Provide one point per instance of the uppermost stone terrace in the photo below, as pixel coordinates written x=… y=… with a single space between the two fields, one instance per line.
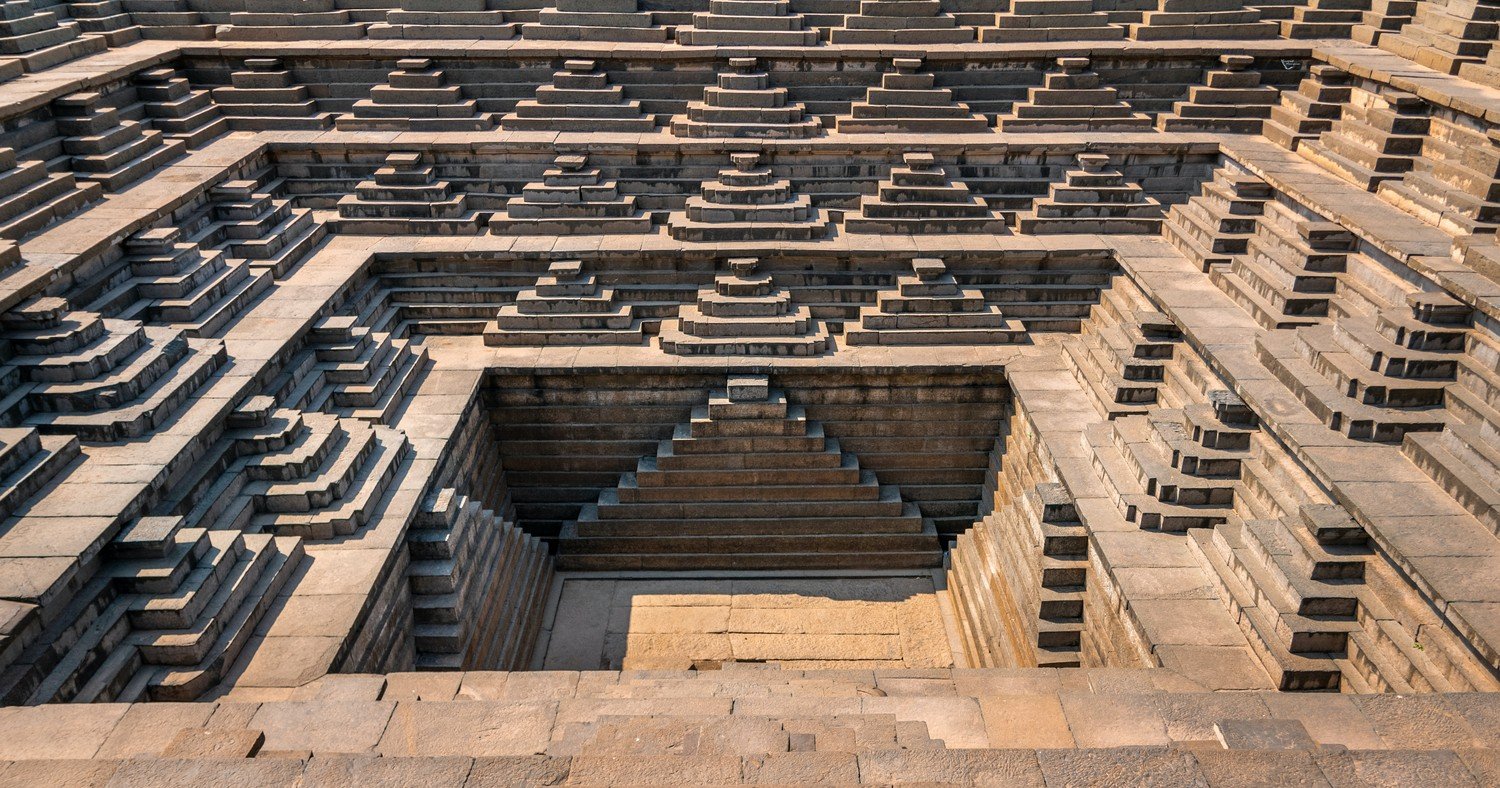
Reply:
x=1042 y=392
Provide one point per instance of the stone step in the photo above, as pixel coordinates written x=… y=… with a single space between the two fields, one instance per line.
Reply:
x=590 y=525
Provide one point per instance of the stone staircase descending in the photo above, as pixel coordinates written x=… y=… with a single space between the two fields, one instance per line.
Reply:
x=749 y=482
x=247 y=222
x=35 y=198
x=28 y=460
x=921 y=198
x=102 y=148
x=565 y=307
x=1175 y=468
x=1214 y=226
x=163 y=618
x=1121 y=355
x=1095 y=198
x=1310 y=110
x=41 y=38
x=177 y=110
x=929 y=307
x=1455 y=183
x=352 y=371
x=101 y=379
x=1379 y=379
x=168 y=281
x=1291 y=269
x=1377 y=138
x=1018 y=575
x=479 y=586
x=289 y=472
x=744 y=314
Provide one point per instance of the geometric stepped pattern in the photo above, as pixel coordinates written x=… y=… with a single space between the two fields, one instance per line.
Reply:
x=619 y=393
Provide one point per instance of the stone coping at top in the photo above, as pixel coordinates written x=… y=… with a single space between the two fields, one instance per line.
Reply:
x=673 y=51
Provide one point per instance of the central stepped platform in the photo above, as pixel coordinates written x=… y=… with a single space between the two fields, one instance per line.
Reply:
x=803 y=504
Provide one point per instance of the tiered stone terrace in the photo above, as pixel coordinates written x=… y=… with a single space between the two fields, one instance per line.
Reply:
x=482 y=392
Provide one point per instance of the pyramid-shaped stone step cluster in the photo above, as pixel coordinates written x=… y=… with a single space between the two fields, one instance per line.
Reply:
x=1294 y=586
x=351 y=371
x=595 y=20
x=744 y=314
x=1121 y=355
x=748 y=203
x=100 y=379
x=479 y=586
x=565 y=307
x=571 y=199
x=747 y=23
x=1377 y=138
x=579 y=97
x=908 y=101
x=921 y=198
x=743 y=104
x=163 y=619
x=416 y=97
x=32 y=199
x=28 y=460
x=1217 y=224
x=1447 y=34
x=1175 y=468
x=166 y=280
x=41 y=39
x=1375 y=380
x=247 y=222
x=749 y=482
x=1095 y=198
x=294 y=473
x=264 y=96
x=106 y=19
x=901 y=22
x=1290 y=270
x=102 y=148
x=445 y=19
x=1310 y=110
x=1455 y=183
x=282 y=20
x=1072 y=100
x=1052 y=20
x=929 y=307
x=1231 y=101
x=405 y=197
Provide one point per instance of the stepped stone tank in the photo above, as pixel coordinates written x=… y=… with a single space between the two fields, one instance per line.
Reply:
x=829 y=392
